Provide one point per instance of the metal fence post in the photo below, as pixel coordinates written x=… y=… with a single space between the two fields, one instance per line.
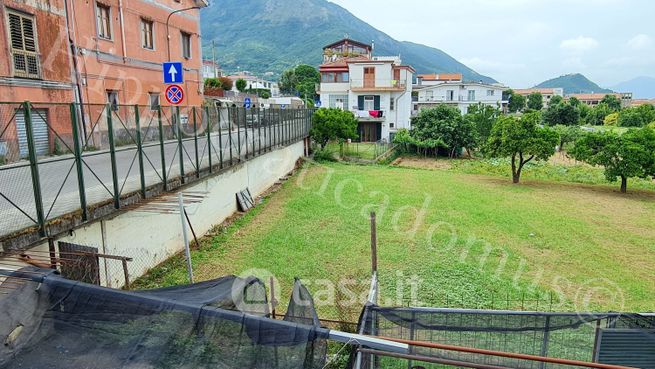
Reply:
x=162 y=149
x=112 y=156
x=34 y=168
x=259 y=131
x=245 y=129
x=195 y=141
x=77 y=146
x=180 y=146
x=238 y=135
x=220 y=138
x=209 y=137
x=139 y=146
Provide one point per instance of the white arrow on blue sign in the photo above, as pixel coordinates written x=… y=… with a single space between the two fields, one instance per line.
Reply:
x=173 y=73
x=247 y=103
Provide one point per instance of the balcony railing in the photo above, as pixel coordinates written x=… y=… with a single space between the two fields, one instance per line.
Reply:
x=378 y=85
x=368 y=115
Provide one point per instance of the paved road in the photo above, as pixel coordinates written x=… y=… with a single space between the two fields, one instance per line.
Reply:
x=58 y=175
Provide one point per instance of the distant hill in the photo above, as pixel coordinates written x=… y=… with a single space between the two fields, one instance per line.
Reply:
x=641 y=87
x=573 y=84
x=272 y=35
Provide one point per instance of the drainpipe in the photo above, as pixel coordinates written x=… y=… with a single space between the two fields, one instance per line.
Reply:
x=122 y=20
x=75 y=76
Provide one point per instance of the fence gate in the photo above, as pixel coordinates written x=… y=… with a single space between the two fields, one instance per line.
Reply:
x=79 y=263
x=39 y=130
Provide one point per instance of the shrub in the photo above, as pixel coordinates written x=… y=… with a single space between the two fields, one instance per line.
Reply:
x=612 y=119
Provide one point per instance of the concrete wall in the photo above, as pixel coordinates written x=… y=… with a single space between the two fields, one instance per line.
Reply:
x=151 y=238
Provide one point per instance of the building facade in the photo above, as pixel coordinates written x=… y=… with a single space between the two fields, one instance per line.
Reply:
x=377 y=90
x=211 y=69
x=254 y=83
x=459 y=94
x=546 y=93
x=595 y=99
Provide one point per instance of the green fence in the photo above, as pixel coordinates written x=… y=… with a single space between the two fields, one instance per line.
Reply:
x=74 y=159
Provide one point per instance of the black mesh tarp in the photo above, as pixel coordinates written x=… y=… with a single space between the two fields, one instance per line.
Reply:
x=572 y=336
x=51 y=322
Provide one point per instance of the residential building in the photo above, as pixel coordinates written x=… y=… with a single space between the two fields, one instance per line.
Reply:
x=595 y=99
x=90 y=52
x=546 y=93
x=254 y=83
x=211 y=69
x=377 y=89
x=120 y=46
x=639 y=102
x=435 y=79
x=457 y=93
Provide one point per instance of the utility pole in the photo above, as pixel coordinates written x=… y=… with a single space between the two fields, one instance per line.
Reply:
x=214 y=57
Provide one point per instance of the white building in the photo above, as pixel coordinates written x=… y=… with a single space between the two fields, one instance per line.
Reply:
x=211 y=69
x=255 y=83
x=378 y=90
x=546 y=93
x=431 y=92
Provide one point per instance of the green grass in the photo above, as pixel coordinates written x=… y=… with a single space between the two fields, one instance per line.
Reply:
x=478 y=242
x=355 y=150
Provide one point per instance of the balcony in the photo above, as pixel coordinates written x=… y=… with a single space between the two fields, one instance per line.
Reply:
x=365 y=115
x=369 y=85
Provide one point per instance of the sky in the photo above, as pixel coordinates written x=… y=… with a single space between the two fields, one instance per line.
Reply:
x=524 y=42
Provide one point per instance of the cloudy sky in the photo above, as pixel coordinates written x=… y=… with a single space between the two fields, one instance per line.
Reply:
x=524 y=42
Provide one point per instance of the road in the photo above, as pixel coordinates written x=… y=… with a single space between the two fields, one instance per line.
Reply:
x=58 y=175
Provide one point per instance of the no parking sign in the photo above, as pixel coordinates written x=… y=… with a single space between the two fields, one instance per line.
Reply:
x=174 y=94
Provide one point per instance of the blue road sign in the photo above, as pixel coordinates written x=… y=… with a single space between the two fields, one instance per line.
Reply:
x=247 y=103
x=283 y=106
x=317 y=103
x=173 y=73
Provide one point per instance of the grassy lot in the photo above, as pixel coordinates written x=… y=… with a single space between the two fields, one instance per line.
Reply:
x=474 y=240
x=355 y=150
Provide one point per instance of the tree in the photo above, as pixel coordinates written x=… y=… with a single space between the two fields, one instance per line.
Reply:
x=482 y=117
x=522 y=140
x=555 y=100
x=213 y=83
x=241 y=84
x=443 y=126
x=613 y=102
x=652 y=125
x=567 y=134
x=562 y=113
x=333 y=124
x=596 y=116
x=574 y=101
x=301 y=81
x=631 y=154
x=612 y=119
x=516 y=102
x=226 y=83
x=637 y=117
x=535 y=101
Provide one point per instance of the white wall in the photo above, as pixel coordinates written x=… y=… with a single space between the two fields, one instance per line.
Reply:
x=151 y=238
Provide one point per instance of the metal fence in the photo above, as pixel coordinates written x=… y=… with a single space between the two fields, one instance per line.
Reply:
x=86 y=160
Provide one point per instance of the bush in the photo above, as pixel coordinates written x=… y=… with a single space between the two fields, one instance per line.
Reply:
x=612 y=119
x=226 y=83
x=325 y=154
x=333 y=125
x=652 y=125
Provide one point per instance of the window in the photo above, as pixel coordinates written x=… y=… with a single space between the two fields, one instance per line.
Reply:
x=154 y=101
x=103 y=13
x=392 y=104
x=112 y=99
x=471 y=95
x=343 y=77
x=147 y=38
x=369 y=103
x=24 y=48
x=429 y=95
x=491 y=92
x=186 y=45
x=450 y=95
x=338 y=101
x=328 y=77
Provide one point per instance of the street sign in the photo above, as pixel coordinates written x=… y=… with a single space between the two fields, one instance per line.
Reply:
x=247 y=103
x=173 y=73
x=283 y=106
x=317 y=103
x=174 y=94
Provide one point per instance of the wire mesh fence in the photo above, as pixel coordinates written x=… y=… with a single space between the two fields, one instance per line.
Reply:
x=64 y=159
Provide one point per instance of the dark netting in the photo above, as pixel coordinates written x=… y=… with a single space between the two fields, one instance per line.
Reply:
x=610 y=338
x=51 y=322
x=301 y=310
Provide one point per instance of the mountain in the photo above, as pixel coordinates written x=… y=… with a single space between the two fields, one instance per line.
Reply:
x=573 y=84
x=269 y=36
x=641 y=87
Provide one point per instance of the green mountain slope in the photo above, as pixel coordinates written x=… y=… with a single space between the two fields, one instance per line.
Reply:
x=272 y=35
x=573 y=84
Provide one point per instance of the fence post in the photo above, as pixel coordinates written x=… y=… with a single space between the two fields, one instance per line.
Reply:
x=220 y=137
x=195 y=141
x=374 y=244
x=209 y=137
x=77 y=146
x=239 y=134
x=34 y=168
x=162 y=149
x=259 y=131
x=139 y=146
x=546 y=341
x=180 y=147
x=112 y=156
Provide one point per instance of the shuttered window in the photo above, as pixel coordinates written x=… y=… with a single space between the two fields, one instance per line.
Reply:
x=186 y=45
x=24 y=48
x=103 y=13
x=147 y=38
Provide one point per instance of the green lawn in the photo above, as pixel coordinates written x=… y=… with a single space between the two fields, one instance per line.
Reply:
x=355 y=150
x=473 y=240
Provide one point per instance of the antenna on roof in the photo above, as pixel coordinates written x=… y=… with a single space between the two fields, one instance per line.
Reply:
x=372 y=45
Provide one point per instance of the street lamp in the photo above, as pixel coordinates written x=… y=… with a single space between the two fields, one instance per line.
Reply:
x=168 y=33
